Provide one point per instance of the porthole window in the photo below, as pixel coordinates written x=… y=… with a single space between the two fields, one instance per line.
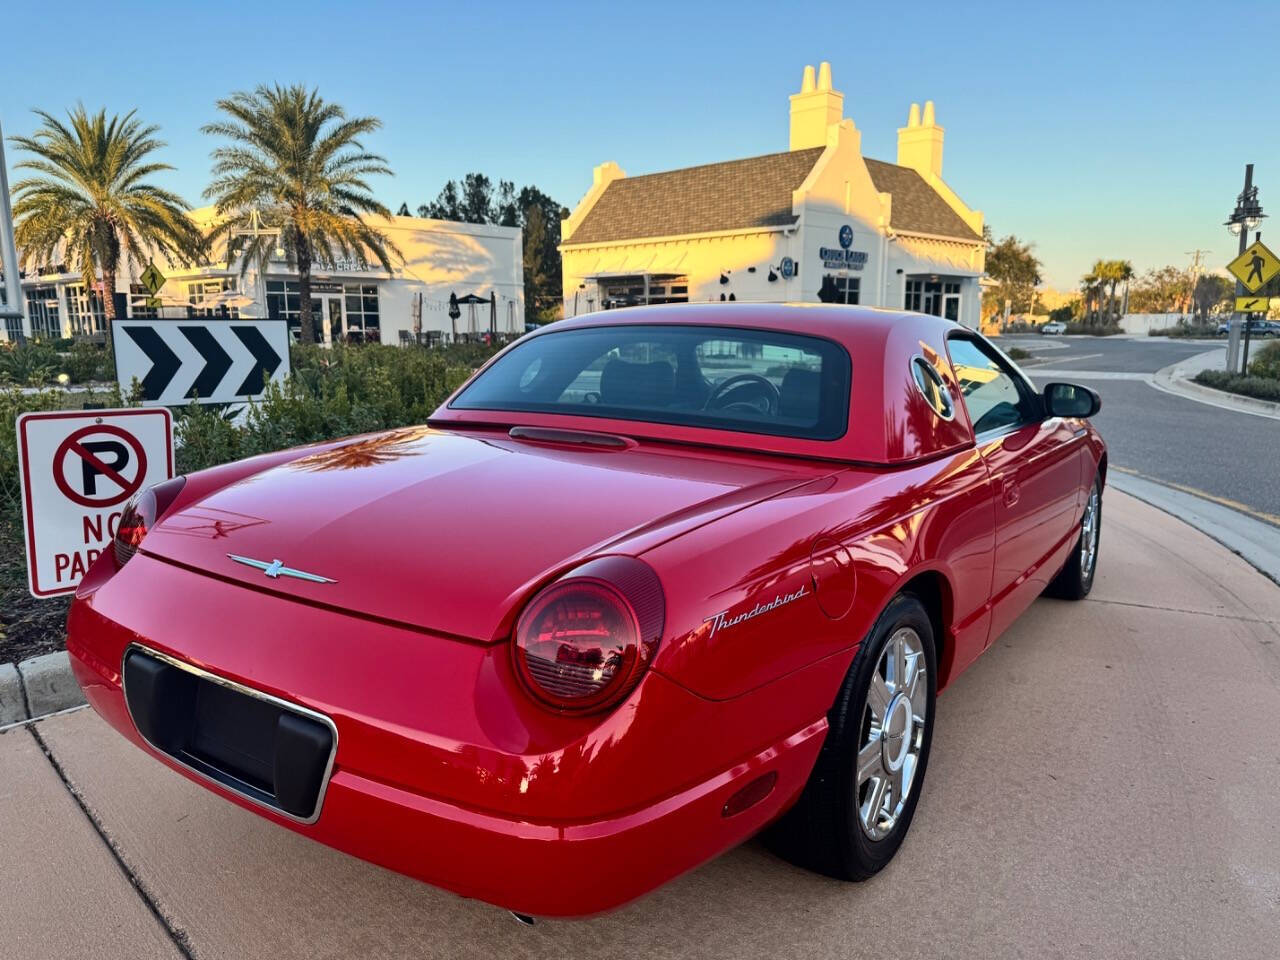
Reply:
x=932 y=387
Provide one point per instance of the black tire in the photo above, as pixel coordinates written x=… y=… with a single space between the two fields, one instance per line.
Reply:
x=1074 y=580
x=823 y=831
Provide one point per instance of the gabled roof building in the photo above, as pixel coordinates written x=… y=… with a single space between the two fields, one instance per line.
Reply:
x=819 y=222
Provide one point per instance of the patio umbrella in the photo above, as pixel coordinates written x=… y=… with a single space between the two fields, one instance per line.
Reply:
x=232 y=300
x=167 y=299
x=471 y=300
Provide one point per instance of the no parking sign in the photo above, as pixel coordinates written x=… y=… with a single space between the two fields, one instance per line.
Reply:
x=77 y=470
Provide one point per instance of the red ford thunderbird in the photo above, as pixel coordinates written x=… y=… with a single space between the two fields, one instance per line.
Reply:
x=650 y=582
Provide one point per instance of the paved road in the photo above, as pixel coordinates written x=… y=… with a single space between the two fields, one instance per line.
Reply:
x=1100 y=786
x=1225 y=454
x=1107 y=353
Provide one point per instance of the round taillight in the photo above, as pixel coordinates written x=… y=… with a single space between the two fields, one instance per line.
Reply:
x=140 y=515
x=583 y=643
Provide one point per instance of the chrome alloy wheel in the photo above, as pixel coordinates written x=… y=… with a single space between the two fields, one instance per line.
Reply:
x=893 y=728
x=1089 y=535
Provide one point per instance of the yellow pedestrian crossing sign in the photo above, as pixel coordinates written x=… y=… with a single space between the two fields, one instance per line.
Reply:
x=1252 y=304
x=1255 y=267
x=153 y=279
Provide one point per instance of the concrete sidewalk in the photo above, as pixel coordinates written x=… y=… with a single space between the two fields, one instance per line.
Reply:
x=1103 y=784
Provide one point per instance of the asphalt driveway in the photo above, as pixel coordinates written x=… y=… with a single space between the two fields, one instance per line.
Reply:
x=1103 y=784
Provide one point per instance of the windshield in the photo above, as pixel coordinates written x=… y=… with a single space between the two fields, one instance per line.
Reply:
x=725 y=378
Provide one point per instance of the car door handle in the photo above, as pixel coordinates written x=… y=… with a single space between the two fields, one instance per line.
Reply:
x=1009 y=487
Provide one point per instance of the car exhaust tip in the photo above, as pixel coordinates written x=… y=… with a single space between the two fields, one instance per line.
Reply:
x=523 y=919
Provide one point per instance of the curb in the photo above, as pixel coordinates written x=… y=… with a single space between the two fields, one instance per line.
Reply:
x=1251 y=539
x=36 y=688
x=1171 y=379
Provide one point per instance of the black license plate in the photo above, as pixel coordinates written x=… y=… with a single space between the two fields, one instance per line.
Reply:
x=272 y=752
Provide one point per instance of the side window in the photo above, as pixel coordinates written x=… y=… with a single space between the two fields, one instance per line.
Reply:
x=994 y=396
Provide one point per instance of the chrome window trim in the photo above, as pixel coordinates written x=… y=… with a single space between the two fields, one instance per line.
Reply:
x=943 y=387
x=248 y=691
x=1014 y=371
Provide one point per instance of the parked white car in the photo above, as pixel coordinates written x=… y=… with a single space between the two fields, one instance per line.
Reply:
x=1054 y=327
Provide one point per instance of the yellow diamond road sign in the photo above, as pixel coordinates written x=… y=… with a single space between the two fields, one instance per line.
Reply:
x=1252 y=304
x=152 y=278
x=1255 y=267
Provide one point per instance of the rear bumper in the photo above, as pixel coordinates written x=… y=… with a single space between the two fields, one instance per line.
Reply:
x=578 y=864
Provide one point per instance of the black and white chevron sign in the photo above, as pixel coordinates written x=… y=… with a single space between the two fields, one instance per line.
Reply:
x=215 y=361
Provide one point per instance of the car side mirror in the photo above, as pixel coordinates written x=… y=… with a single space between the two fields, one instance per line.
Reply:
x=1070 y=400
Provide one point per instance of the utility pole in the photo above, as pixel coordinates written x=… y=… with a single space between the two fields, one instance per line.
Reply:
x=1194 y=273
x=13 y=307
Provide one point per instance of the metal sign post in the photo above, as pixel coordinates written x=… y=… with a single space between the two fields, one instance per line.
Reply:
x=1246 y=269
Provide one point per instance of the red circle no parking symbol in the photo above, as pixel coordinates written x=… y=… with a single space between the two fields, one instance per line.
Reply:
x=102 y=463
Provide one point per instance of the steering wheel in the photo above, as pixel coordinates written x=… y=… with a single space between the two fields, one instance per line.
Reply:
x=748 y=380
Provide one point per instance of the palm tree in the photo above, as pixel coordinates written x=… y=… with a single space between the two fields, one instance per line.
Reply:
x=296 y=162
x=1124 y=272
x=88 y=200
x=1092 y=284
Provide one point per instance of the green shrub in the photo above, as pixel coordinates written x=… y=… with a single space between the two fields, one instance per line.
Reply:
x=1094 y=330
x=1017 y=354
x=14 y=402
x=85 y=362
x=1266 y=362
x=30 y=364
x=1181 y=329
x=1261 y=388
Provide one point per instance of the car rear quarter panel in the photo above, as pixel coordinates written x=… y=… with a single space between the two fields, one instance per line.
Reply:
x=849 y=542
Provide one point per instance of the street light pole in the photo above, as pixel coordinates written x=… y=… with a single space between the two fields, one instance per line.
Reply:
x=12 y=309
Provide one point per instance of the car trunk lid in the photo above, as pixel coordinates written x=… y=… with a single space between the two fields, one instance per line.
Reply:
x=447 y=531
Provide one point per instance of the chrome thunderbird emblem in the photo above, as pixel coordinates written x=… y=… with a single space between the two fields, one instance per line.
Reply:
x=276 y=568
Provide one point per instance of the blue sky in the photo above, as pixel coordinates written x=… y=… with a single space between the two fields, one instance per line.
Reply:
x=1092 y=130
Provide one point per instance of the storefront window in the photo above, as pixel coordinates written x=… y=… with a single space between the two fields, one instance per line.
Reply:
x=12 y=325
x=202 y=291
x=937 y=297
x=138 y=297
x=840 y=289
x=283 y=303
x=85 y=311
x=42 y=308
x=361 y=300
x=633 y=291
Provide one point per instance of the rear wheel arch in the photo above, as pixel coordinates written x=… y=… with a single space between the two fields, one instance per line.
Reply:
x=933 y=589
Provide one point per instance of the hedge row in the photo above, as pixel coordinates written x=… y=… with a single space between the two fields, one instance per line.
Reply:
x=333 y=392
x=1261 y=388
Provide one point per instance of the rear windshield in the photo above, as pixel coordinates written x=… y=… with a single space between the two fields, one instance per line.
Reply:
x=725 y=378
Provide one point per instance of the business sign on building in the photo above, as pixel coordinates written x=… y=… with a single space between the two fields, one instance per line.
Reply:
x=843 y=257
x=214 y=361
x=77 y=470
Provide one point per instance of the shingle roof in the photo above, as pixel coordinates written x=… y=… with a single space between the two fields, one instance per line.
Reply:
x=755 y=192
x=917 y=207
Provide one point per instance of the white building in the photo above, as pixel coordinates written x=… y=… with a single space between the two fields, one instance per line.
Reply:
x=474 y=262
x=818 y=222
